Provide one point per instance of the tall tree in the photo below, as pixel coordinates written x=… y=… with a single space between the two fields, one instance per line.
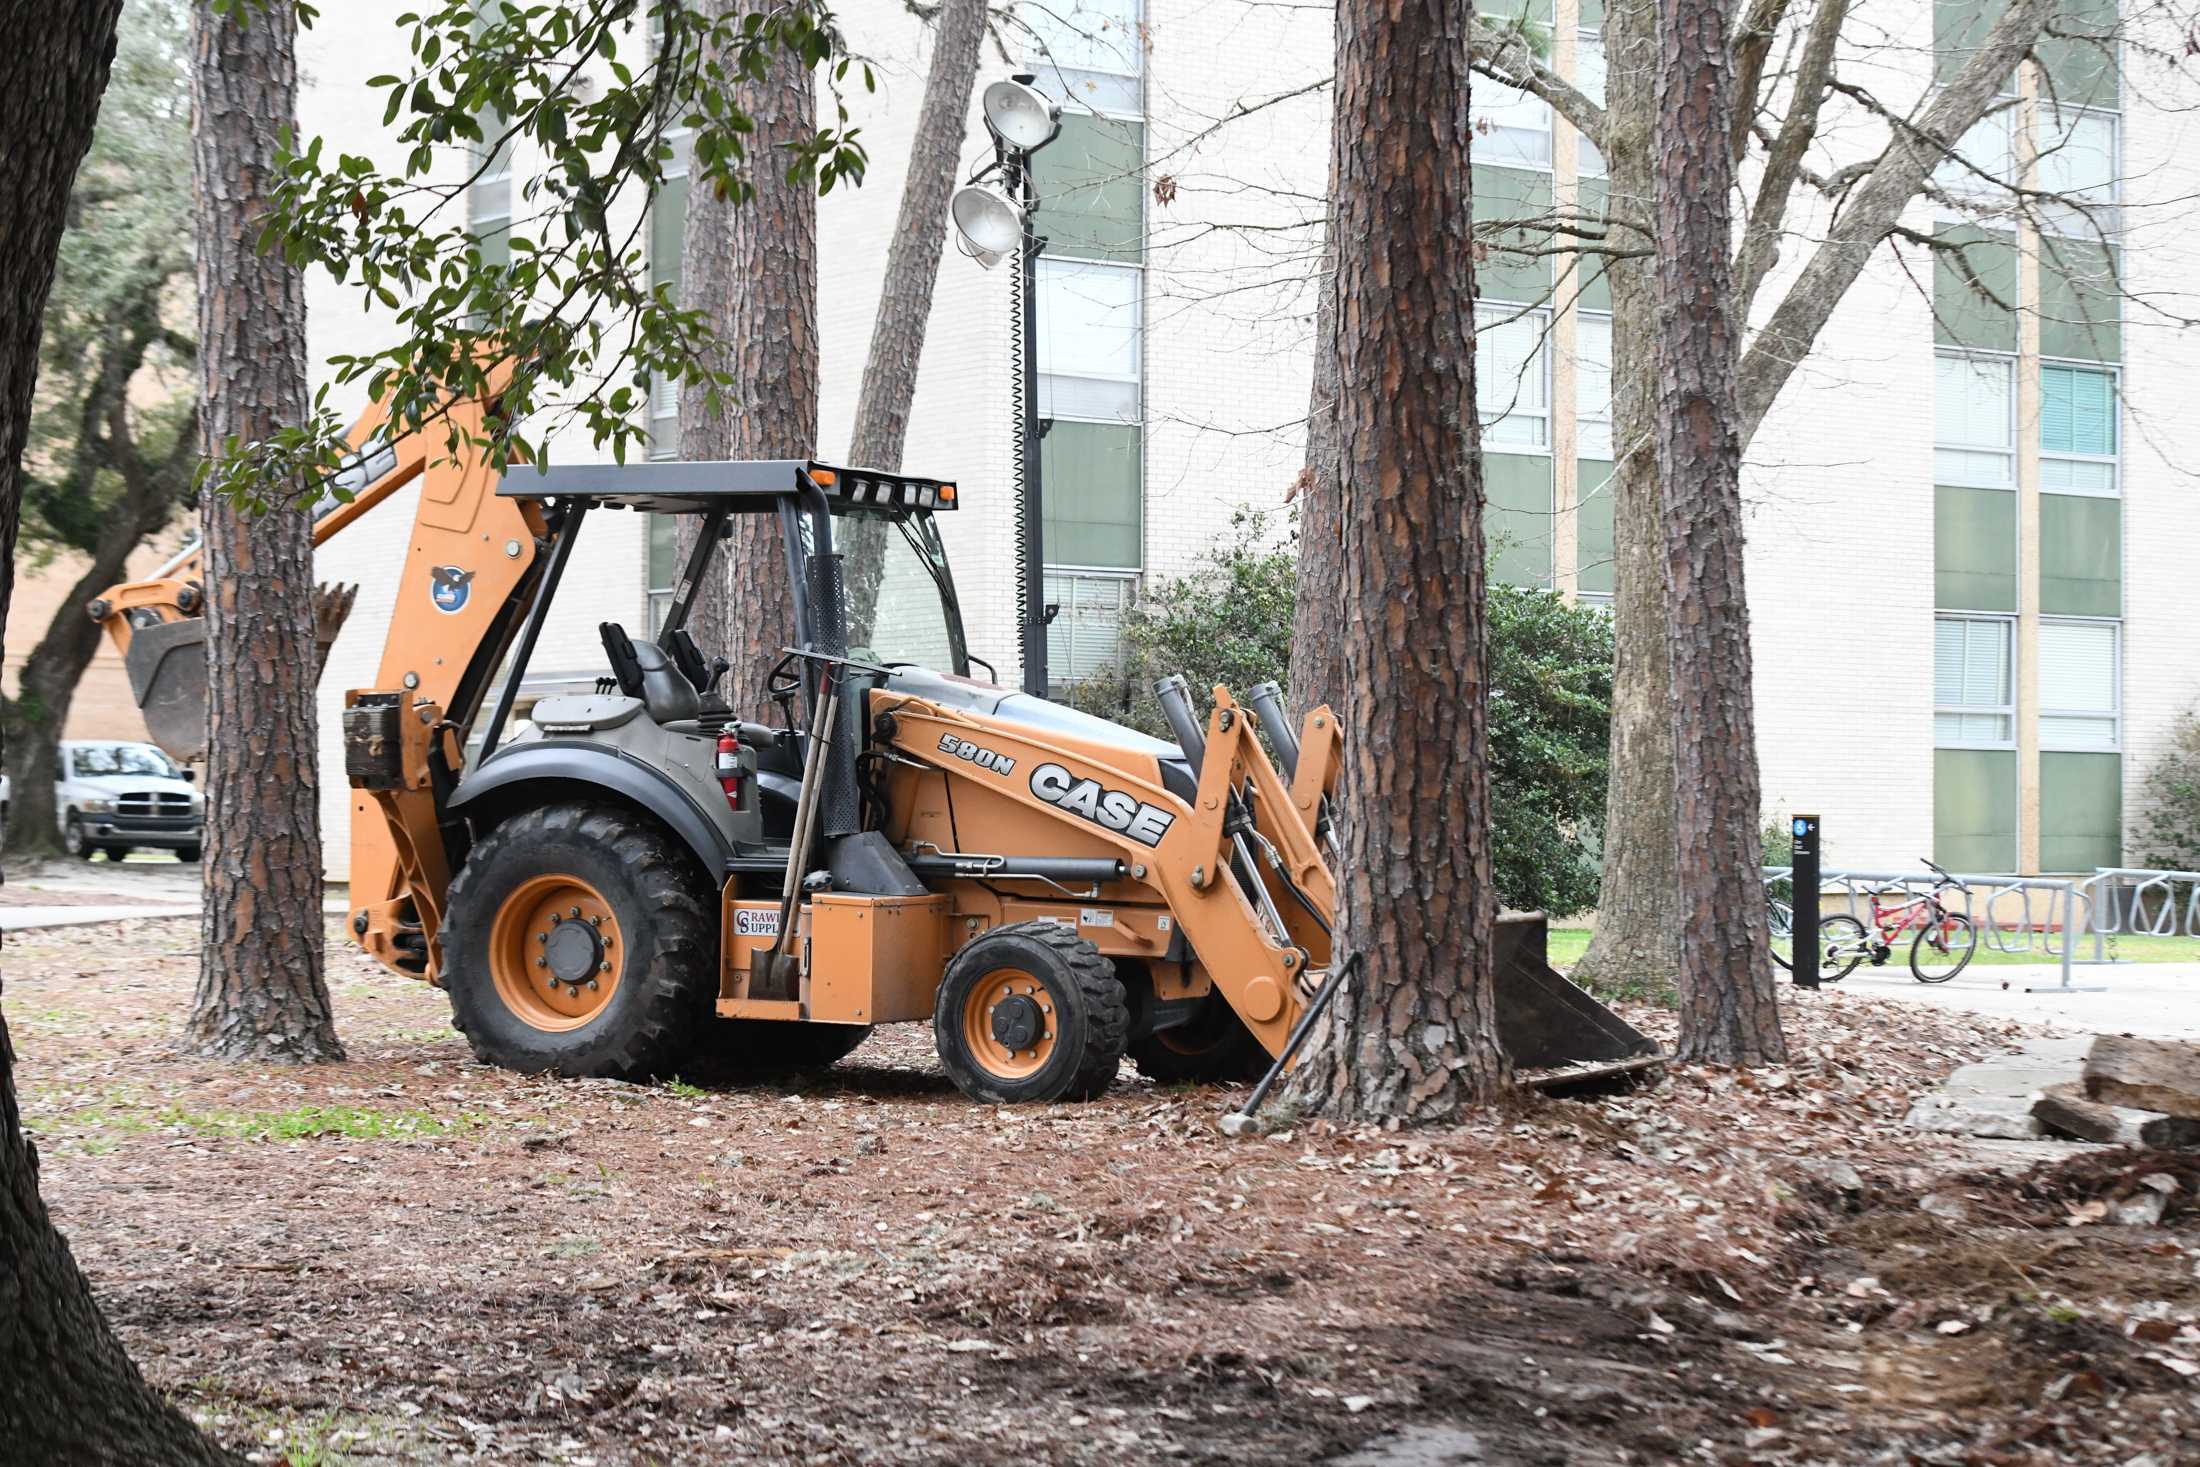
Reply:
x=1413 y=1038
x=72 y=1395
x=1730 y=1013
x=261 y=991
x=889 y=383
x=771 y=345
x=113 y=441
x=1782 y=113
x=748 y=265
x=1637 y=934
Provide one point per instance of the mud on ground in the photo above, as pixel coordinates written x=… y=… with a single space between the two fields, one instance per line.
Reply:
x=413 y=1258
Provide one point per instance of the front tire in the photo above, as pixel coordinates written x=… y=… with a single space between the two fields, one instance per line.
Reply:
x=73 y=840
x=1030 y=1012
x=189 y=855
x=577 y=941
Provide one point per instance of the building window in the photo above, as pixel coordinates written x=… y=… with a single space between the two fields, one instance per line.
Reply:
x=489 y=197
x=1984 y=162
x=1593 y=386
x=1974 y=422
x=1092 y=193
x=2077 y=430
x=1974 y=682
x=1590 y=67
x=1512 y=377
x=1088 y=341
x=667 y=224
x=1512 y=128
x=2078 y=162
x=664 y=568
x=1085 y=639
x=2081 y=686
x=1092 y=52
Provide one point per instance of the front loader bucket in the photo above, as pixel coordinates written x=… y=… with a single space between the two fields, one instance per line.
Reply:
x=167 y=667
x=1544 y=1021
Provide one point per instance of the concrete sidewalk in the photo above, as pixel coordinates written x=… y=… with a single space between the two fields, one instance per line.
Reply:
x=2161 y=1000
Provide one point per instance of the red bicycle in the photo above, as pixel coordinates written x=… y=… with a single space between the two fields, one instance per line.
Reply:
x=1943 y=945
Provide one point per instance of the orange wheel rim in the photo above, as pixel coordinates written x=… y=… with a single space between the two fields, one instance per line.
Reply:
x=556 y=952
x=1010 y=1023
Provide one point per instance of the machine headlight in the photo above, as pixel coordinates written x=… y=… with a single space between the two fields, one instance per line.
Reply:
x=96 y=807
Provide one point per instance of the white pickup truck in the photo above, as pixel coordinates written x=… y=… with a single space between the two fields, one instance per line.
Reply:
x=116 y=797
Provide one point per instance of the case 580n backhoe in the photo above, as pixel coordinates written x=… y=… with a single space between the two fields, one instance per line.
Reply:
x=630 y=876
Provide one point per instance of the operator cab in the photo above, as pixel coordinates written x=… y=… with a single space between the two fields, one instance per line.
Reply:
x=871 y=591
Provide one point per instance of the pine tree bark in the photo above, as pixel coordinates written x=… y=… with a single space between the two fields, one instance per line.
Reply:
x=889 y=383
x=1730 y=1010
x=72 y=1398
x=261 y=992
x=1316 y=674
x=765 y=309
x=1637 y=934
x=1413 y=1037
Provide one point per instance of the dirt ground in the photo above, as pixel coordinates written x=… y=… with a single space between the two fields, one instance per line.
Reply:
x=412 y=1258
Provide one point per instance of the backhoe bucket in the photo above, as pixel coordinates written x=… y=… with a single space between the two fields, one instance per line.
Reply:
x=166 y=663
x=1546 y=1022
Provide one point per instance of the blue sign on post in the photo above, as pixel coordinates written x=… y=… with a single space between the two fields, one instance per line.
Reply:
x=1805 y=884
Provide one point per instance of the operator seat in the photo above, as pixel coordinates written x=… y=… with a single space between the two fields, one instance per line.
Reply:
x=645 y=671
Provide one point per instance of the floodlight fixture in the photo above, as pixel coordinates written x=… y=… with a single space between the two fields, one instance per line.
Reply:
x=1021 y=116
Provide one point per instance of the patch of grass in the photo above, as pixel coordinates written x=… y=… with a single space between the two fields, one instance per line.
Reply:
x=682 y=1089
x=310 y=1122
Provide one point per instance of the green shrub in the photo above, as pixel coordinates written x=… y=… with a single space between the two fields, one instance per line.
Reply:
x=2169 y=830
x=1229 y=622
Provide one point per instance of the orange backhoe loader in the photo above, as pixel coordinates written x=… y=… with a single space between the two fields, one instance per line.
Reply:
x=627 y=876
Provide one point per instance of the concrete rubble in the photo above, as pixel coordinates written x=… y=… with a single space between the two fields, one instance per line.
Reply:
x=2109 y=1090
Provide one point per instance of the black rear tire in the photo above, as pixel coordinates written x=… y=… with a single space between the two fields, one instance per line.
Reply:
x=1215 y=1048
x=664 y=974
x=117 y=854
x=1841 y=946
x=1065 y=992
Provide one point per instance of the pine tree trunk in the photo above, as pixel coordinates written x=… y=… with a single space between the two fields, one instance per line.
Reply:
x=1637 y=936
x=1729 y=1009
x=72 y=1398
x=889 y=383
x=1413 y=1037
x=769 y=327
x=261 y=990
x=1316 y=674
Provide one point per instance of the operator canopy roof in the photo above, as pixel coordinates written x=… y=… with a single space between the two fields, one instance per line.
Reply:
x=735 y=484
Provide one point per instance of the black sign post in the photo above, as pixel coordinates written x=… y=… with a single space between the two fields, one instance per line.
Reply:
x=1804 y=899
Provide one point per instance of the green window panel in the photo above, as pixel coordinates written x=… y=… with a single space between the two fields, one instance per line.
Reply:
x=2081 y=555
x=667 y=222
x=2081 y=305
x=1092 y=191
x=1978 y=310
x=2077 y=410
x=2081 y=811
x=1093 y=481
x=1975 y=809
x=1958 y=27
x=1593 y=540
x=1974 y=549
x=1596 y=292
x=1510 y=194
x=663 y=553
x=1520 y=497
x=2080 y=57
x=1592 y=15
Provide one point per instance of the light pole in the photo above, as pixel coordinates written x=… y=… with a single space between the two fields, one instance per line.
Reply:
x=993 y=215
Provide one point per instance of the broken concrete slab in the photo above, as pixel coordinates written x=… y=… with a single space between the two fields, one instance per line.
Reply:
x=2145 y=1074
x=2065 y=1110
x=1976 y=1115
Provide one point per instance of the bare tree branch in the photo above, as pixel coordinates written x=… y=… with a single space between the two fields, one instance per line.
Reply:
x=1760 y=237
x=1502 y=53
x=1876 y=207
